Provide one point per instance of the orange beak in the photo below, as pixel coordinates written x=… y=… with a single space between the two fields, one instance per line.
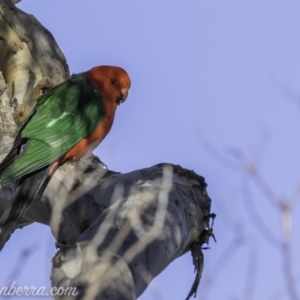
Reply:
x=123 y=95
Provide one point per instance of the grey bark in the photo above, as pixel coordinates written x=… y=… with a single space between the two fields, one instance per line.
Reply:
x=115 y=231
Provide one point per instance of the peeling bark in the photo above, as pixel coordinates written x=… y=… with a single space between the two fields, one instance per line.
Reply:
x=30 y=59
x=115 y=231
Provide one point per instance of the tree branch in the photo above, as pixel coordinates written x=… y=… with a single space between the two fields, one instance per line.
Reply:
x=153 y=216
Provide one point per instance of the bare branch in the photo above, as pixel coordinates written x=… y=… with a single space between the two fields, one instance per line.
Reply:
x=134 y=233
x=15 y=1
x=30 y=59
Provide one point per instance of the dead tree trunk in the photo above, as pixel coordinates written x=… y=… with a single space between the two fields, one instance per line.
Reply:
x=115 y=231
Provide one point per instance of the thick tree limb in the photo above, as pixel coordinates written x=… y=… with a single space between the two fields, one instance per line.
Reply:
x=116 y=231
x=30 y=59
x=153 y=216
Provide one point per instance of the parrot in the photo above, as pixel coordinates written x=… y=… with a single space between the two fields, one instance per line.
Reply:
x=68 y=122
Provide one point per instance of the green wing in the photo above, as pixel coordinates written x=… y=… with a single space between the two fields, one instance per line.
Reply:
x=61 y=118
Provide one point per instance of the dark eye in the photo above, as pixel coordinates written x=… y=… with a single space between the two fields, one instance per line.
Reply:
x=113 y=81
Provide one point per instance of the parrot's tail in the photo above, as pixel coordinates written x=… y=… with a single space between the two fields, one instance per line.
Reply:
x=30 y=187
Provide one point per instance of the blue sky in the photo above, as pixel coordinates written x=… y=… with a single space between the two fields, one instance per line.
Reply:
x=223 y=71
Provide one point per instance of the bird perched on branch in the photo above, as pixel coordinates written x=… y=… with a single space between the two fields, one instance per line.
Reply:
x=68 y=122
